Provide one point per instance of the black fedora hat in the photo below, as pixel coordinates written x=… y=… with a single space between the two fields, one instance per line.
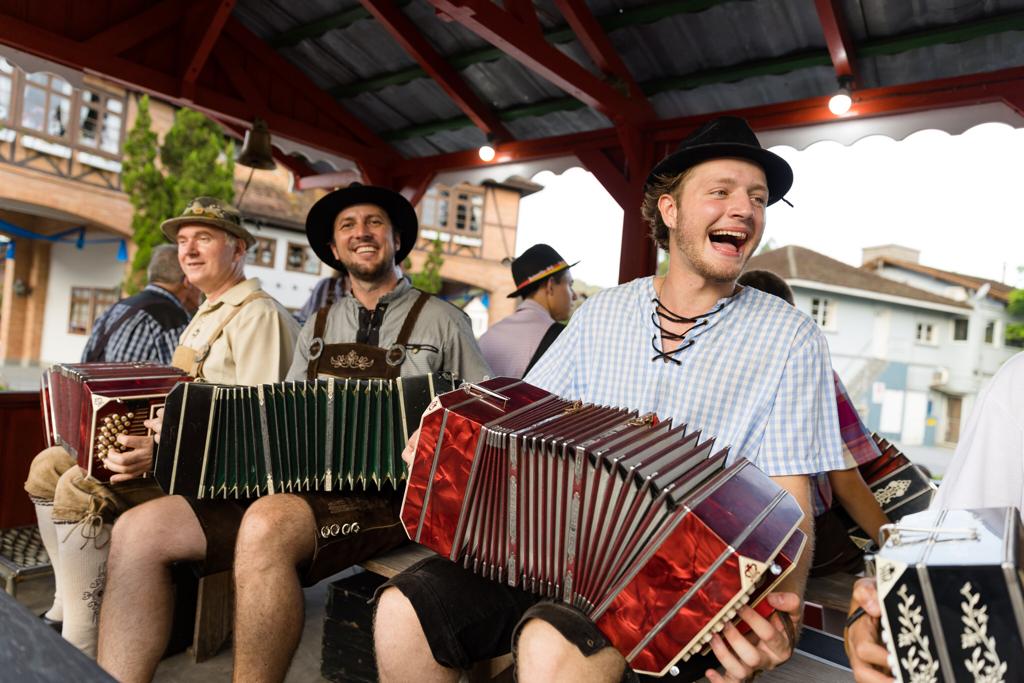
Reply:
x=320 y=220
x=536 y=264
x=727 y=136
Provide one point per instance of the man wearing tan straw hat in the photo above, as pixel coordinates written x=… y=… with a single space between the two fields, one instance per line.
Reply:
x=239 y=335
x=544 y=285
x=691 y=346
x=392 y=330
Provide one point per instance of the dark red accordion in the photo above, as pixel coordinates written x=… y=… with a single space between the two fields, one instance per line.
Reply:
x=86 y=405
x=638 y=523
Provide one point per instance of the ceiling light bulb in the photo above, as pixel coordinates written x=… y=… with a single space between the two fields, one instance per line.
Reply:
x=841 y=102
x=486 y=153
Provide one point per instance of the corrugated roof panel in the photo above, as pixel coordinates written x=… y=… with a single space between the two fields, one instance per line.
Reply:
x=989 y=53
x=506 y=83
x=558 y=123
x=751 y=92
x=880 y=18
x=725 y=35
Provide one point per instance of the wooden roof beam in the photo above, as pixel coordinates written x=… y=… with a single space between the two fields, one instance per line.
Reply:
x=218 y=16
x=115 y=39
x=837 y=37
x=33 y=39
x=600 y=49
x=405 y=33
x=504 y=31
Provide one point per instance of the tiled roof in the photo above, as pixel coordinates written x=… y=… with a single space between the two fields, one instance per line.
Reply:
x=268 y=202
x=799 y=263
x=997 y=290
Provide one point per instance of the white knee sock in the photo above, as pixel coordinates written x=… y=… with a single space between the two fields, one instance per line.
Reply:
x=44 y=515
x=83 y=564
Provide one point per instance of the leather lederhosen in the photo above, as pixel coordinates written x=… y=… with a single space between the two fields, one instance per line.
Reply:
x=362 y=361
x=375 y=517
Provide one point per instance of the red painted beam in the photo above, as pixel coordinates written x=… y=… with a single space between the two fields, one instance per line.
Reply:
x=600 y=49
x=405 y=33
x=525 y=12
x=837 y=37
x=31 y=38
x=502 y=30
x=214 y=26
x=278 y=66
x=156 y=18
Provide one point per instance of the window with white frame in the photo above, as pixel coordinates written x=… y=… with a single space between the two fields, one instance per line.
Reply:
x=926 y=333
x=824 y=313
x=6 y=88
x=46 y=107
x=960 y=329
x=990 y=332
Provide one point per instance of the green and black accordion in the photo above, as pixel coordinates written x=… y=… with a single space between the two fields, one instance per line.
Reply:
x=220 y=441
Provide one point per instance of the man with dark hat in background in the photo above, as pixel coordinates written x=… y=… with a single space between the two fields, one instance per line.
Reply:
x=382 y=328
x=692 y=347
x=544 y=285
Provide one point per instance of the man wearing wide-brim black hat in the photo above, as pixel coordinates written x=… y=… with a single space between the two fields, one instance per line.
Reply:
x=384 y=329
x=735 y=363
x=544 y=286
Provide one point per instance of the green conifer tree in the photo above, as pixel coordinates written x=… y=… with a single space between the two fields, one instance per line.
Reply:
x=194 y=160
x=148 y=192
x=429 y=278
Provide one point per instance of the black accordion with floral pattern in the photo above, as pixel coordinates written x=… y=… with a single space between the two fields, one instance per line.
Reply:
x=949 y=582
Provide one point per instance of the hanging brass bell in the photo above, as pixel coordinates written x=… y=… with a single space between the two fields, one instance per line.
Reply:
x=256 y=151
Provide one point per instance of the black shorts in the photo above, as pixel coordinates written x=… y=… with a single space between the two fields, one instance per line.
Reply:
x=467 y=618
x=349 y=528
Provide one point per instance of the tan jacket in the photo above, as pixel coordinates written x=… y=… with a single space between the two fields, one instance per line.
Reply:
x=256 y=346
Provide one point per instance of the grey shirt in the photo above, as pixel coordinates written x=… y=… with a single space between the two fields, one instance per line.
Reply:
x=440 y=325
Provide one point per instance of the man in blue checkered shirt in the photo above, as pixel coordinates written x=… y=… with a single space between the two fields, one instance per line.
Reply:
x=692 y=346
x=146 y=326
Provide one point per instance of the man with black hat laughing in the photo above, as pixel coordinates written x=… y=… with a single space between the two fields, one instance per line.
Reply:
x=544 y=284
x=692 y=346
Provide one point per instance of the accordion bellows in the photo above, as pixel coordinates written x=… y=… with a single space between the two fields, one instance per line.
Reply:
x=86 y=405
x=950 y=587
x=638 y=523
x=220 y=441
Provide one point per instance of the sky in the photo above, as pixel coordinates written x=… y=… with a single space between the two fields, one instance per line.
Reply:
x=957 y=199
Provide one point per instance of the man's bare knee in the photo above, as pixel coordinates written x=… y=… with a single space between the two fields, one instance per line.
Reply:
x=164 y=530
x=544 y=654
x=275 y=530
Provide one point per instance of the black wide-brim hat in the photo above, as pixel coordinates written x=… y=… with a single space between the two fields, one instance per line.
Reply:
x=727 y=136
x=536 y=264
x=320 y=219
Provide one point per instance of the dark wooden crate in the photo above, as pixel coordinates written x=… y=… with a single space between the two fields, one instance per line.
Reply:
x=347 y=653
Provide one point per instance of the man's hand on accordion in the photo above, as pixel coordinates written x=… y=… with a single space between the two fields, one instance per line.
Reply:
x=869 y=659
x=132 y=463
x=770 y=642
x=409 y=452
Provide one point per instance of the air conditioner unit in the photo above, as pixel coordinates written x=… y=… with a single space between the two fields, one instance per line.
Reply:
x=940 y=377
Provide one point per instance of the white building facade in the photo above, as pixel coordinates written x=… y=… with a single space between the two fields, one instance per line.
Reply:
x=913 y=359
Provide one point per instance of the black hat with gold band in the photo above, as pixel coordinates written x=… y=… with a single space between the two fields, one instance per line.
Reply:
x=209 y=211
x=535 y=264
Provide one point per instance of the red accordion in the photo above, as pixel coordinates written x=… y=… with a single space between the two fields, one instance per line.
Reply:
x=638 y=523
x=86 y=405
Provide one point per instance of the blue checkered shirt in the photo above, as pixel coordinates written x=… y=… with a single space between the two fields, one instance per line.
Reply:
x=142 y=337
x=757 y=376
